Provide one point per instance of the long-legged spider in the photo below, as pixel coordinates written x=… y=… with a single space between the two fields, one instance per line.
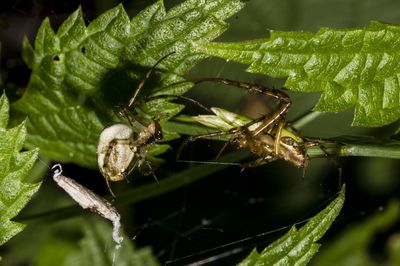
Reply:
x=120 y=149
x=264 y=136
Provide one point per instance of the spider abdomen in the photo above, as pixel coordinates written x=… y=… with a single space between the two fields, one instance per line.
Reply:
x=117 y=155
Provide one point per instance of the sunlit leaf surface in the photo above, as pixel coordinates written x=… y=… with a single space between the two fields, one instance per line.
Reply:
x=81 y=73
x=351 y=67
x=14 y=168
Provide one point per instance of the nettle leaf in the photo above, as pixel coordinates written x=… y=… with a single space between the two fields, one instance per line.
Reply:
x=96 y=247
x=14 y=167
x=352 y=246
x=81 y=73
x=351 y=67
x=297 y=247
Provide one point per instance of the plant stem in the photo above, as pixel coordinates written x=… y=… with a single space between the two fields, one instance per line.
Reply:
x=306 y=119
x=390 y=150
x=343 y=147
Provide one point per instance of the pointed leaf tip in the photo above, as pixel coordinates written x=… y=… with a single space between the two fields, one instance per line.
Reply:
x=4 y=109
x=297 y=247
x=14 y=167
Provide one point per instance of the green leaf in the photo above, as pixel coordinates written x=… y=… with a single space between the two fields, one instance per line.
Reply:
x=352 y=245
x=14 y=168
x=351 y=67
x=81 y=73
x=298 y=246
x=96 y=247
x=394 y=250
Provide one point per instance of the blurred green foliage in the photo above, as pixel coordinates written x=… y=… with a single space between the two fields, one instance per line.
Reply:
x=352 y=245
x=94 y=248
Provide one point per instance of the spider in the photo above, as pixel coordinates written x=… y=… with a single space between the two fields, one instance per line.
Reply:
x=265 y=136
x=120 y=149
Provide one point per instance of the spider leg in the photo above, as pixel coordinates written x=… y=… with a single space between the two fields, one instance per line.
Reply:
x=124 y=113
x=278 y=135
x=223 y=148
x=142 y=158
x=283 y=107
x=320 y=144
x=204 y=136
x=258 y=162
x=109 y=187
x=277 y=94
x=162 y=96
x=132 y=101
x=105 y=163
x=151 y=170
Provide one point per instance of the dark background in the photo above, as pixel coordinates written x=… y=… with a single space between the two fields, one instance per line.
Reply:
x=236 y=208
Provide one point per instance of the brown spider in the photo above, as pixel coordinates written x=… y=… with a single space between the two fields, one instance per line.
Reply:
x=264 y=136
x=120 y=149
